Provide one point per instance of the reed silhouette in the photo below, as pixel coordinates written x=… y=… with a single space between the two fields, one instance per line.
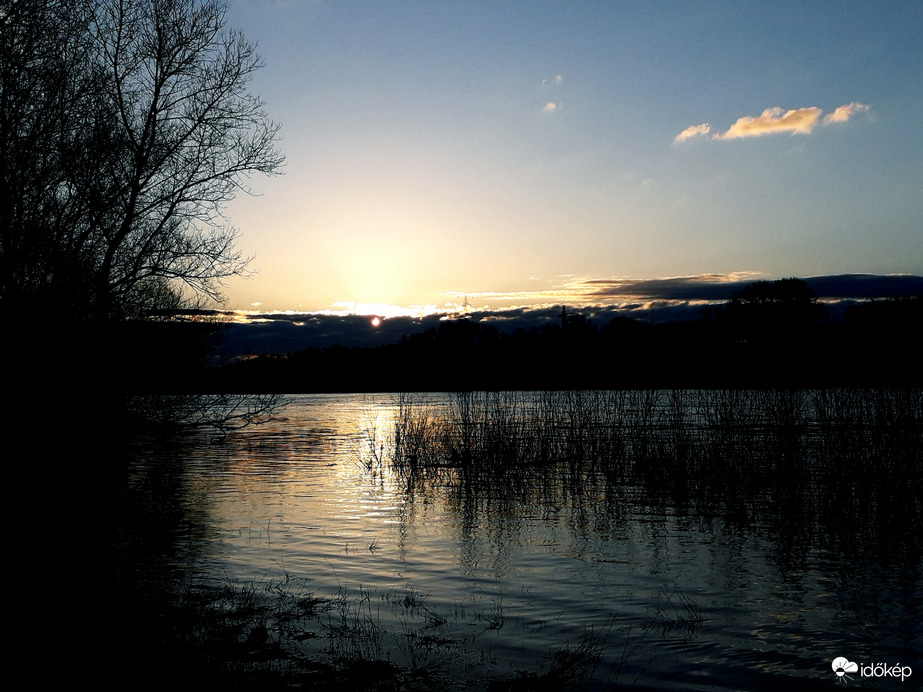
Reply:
x=827 y=456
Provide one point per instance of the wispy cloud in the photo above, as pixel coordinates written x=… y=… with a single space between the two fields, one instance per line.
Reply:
x=795 y=121
x=843 y=113
x=622 y=292
x=696 y=287
x=552 y=106
x=799 y=121
x=692 y=131
x=628 y=294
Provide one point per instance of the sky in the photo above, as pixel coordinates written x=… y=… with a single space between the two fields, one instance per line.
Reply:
x=520 y=153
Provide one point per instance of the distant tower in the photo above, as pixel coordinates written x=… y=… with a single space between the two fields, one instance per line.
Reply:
x=563 y=318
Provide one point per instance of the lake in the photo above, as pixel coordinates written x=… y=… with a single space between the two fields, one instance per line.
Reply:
x=682 y=540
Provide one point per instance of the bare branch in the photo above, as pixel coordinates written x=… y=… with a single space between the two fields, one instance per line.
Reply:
x=128 y=149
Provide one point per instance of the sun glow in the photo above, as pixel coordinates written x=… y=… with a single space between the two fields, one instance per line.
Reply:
x=382 y=311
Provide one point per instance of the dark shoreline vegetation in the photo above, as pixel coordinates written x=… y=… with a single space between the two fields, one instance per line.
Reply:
x=835 y=469
x=875 y=345
x=768 y=337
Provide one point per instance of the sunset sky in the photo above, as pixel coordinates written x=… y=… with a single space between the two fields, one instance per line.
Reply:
x=521 y=153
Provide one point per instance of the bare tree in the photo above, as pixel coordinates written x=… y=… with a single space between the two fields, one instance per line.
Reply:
x=125 y=128
x=128 y=151
x=46 y=99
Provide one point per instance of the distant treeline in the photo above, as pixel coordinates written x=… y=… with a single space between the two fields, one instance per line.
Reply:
x=769 y=334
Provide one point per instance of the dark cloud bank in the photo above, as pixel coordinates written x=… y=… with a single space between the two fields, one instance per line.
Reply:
x=653 y=301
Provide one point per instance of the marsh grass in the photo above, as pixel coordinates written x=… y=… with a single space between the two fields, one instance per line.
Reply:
x=574 y=665
x=741 y=454
x=675 y=611
x=231 y=635
x=278 y=634
x=353 y=628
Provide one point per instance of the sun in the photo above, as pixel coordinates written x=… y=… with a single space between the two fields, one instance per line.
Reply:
x=376 y=321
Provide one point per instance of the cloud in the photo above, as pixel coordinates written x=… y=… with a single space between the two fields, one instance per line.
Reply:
x=697 y=287
x=843 y=113
x=620 y=292
x=796 y=121
x=799 y=121
x=552 y=106
x=719 y=287
x=692 y=131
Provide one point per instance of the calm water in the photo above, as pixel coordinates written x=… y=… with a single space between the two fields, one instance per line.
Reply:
x=479 y=583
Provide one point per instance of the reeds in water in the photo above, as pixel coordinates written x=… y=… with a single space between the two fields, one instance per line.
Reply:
x=744 y=452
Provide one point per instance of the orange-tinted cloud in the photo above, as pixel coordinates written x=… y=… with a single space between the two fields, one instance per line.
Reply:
x=799 y=121
x=843 y=113
x=692 y=131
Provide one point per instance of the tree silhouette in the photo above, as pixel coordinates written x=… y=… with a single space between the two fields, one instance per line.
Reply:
x=45 y=75
x=767 y=307
x=125 y=126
